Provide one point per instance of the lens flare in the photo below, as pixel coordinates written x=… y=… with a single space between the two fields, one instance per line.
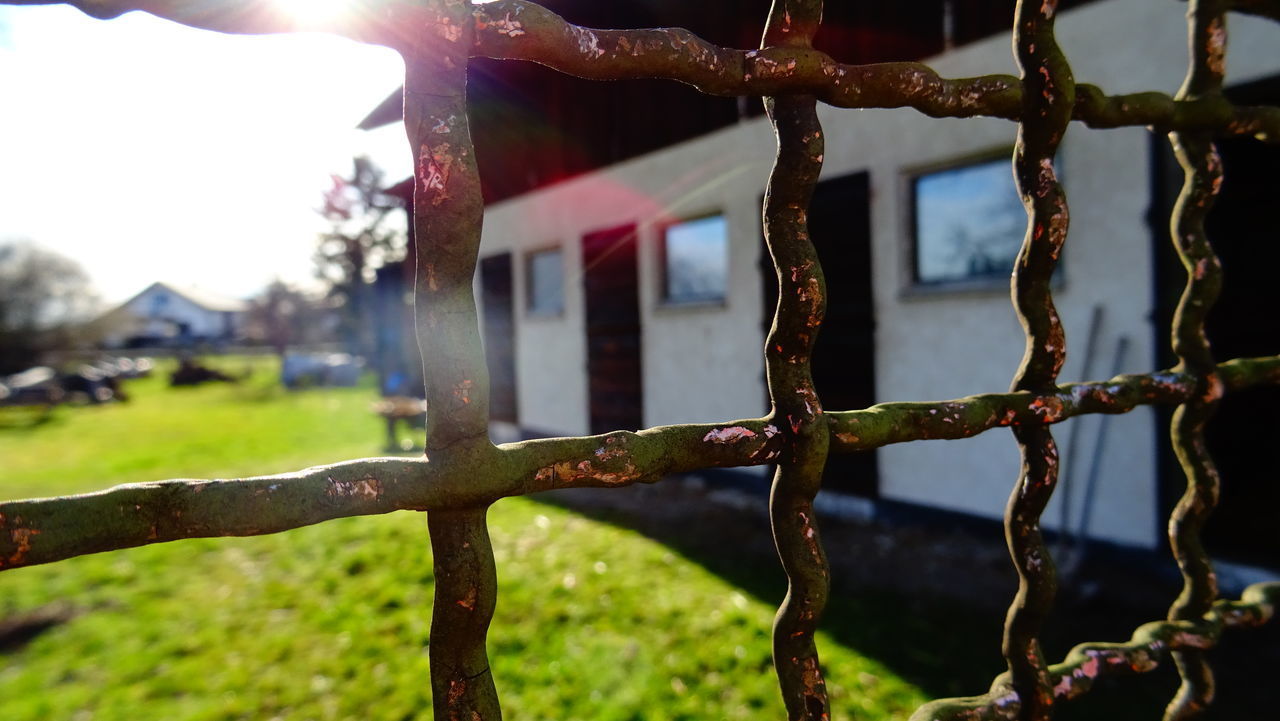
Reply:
x=314 y=13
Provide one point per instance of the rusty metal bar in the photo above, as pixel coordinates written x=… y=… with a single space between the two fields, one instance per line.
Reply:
x=464 y=472
x=466 y=591
x=448 y=215
x=1048 y=93
x=1088 y=662
x=522 y=30
x=41 y=531
x=1202 y=168
x=796 y=409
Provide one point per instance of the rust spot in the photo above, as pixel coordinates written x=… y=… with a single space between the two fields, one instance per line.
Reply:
x=1216 y=51
x=469 y=601
x=567 y=473
x=434 y=166
x=462 y=391
x=588 y=42
x=21 y=538
x=1048 y=408
x=810 y=399
x=505 y=26
x=846 y=437
x=367 y=488
x=798 y=270
x=811 y=678
x=1214 y=388
x=810 y=534
x=457 y=687
x=448 y=30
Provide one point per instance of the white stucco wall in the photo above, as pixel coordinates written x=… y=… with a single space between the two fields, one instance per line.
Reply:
x=699 y=363
x=704 y=363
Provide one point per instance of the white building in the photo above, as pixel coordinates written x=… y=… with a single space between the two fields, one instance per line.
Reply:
x=165 y=315
x=636 y=295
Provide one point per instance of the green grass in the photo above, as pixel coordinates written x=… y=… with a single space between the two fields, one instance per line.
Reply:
x=219 y=429
x=332 y=621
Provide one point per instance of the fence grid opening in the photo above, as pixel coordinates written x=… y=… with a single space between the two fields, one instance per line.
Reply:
x=462 y=473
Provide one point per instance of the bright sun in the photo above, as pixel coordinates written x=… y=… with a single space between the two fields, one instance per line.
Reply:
x=314 y=12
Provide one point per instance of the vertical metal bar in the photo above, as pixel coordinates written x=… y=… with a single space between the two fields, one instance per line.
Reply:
x=796 y=408
x=1202 y=170
x=465 y=597
x=448 y=212
x=1048 y=91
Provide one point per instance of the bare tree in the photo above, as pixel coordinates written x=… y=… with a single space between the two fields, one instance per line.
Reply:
x=283 y=316
x=42 y=294
x=362 y=236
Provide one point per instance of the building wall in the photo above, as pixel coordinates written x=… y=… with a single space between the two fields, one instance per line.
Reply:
x=704 y=363
x=154 y=321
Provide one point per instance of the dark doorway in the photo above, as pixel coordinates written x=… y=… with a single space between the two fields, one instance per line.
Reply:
x=844 y=357
x=497 y=299
x=1243 y=434
x=612 y=290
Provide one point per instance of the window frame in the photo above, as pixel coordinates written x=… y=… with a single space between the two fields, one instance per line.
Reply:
x=912 y=283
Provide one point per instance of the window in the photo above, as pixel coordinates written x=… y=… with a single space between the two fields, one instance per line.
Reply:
x=969 y=223
x=159 y=304
x=545 y=274
x=695 y=261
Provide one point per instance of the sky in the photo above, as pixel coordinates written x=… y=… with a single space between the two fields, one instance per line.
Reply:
x=149 y=151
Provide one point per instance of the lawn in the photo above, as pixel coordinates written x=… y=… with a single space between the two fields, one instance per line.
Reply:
x=594 y=621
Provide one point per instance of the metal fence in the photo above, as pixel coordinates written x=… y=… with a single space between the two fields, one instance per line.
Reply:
x=463 y=473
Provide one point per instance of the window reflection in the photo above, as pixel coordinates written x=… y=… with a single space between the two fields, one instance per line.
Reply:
x=546 y=282
x=696 y=260
x=969 y=223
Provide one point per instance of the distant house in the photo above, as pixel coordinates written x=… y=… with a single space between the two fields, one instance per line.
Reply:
x=165 y=315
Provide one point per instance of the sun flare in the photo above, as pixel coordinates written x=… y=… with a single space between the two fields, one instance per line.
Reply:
x=314 y=13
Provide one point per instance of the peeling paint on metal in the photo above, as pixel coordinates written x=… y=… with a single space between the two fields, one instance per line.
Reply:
x=367 y=488
x=728 y=435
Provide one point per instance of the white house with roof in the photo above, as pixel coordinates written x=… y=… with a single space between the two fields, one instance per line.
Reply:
x=166 y=315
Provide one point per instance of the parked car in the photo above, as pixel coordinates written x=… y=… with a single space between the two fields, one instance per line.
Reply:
x=37 y=386
x=303 y=370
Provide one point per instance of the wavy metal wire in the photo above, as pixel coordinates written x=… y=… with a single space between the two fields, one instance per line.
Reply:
x=462 y=473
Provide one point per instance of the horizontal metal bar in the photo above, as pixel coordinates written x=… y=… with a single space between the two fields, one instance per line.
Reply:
x=47 y=530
